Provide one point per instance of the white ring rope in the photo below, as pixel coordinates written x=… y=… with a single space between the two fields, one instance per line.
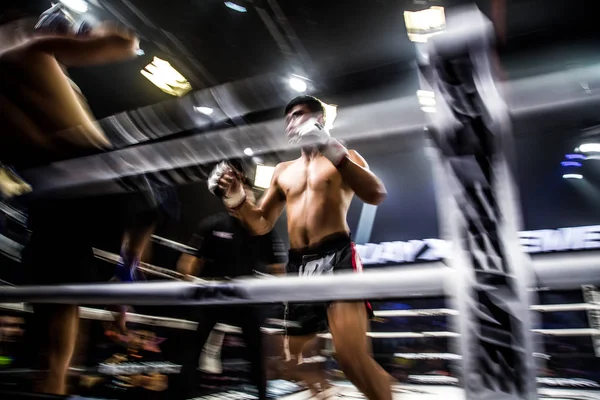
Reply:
x=104 y=315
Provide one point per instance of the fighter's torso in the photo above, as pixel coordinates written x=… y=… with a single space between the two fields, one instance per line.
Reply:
x=317 y=200
x=41 y=115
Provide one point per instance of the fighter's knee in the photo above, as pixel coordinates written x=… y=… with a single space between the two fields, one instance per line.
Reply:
x=348 y=359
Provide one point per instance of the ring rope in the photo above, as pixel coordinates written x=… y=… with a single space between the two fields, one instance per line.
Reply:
x=425 y=280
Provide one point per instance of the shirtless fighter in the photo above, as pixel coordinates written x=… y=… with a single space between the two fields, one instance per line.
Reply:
x=316 y=190
x=44 y=118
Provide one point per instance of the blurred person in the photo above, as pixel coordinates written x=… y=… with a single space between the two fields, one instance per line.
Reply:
x=225 y=249
x=44 y=118
x=316 y=190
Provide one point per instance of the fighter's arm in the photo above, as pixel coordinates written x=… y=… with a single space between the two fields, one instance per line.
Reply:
x=367 y=186
x=260 y=219
x=108 y=46
x=192 y=264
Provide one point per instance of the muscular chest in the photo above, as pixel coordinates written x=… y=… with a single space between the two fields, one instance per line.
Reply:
x=317 y=175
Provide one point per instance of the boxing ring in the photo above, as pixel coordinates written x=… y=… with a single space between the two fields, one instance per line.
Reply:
x=487 y=277
x=425 y=280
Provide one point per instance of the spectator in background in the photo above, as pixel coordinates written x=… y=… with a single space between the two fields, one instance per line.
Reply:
x=225 y=249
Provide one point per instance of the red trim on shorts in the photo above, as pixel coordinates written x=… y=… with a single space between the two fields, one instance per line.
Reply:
x=357 y=266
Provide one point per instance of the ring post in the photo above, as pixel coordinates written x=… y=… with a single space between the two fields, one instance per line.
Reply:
x=470 y=134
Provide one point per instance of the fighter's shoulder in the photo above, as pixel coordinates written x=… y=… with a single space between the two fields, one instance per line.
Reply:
x=24 y=51
x=282 y=166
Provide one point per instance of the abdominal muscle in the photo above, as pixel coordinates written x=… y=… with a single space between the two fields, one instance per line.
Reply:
x=314 y=215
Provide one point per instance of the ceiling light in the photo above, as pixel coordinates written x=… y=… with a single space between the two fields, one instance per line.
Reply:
x=572 y=176
x=570 y=164
x=421 y=25
x=590 y=148
x=78 y=6
x=166 y=78
x=235 y=7
x=575 y=157
x=425 y=93
x=263 y=176
x=426 y=100
x=248 y=151
x=204 y=110
x=298 y=84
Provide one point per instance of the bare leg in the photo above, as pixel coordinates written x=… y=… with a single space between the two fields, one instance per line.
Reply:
x=348 y=325
x=61 y=323
x=292 y=369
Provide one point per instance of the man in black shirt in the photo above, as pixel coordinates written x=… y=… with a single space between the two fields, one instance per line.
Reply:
x=225 y=249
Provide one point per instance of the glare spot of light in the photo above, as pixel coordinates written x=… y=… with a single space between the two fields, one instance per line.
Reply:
x=590 y=148
x=248 y=151
x=235 y=7
x=298 y=84
x=570 y=164
x=78 y=6
x=572 y=176
x=204 y=110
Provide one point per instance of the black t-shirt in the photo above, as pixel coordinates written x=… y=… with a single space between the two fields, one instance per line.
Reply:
x=228 y=250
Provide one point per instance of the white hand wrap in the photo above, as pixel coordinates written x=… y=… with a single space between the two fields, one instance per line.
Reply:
x=334 y=151
x=234 y=200
x=231 y=200
x=311 y=133
x=216 y=174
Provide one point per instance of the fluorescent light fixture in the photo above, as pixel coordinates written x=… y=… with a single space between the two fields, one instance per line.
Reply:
x=248 y=151
x=425 y=94
x=426 y=100
x=590 y=148
x=166 y=78
x=78 y=6
x=263 y=176
x=575 y=157
x=421 y=25
x=235 y=7
x=570 y=164
x=572 y=176
x=204 y=110
x=298 y=84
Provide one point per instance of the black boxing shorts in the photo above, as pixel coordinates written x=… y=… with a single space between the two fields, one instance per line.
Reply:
x=332 y=254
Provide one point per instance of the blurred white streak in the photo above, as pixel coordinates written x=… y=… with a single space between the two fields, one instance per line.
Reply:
x=78 y=6
x=204 y=110
x=235 y=7
x=590 y=148
x=421 y=25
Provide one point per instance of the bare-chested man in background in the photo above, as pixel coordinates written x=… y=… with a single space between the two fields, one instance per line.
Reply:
x=44 y=118
x=316 y=190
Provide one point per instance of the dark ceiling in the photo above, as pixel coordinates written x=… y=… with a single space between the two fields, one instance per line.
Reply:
x=344 y=46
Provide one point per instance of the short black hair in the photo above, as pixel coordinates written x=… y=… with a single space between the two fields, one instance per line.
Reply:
x=313 y=104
